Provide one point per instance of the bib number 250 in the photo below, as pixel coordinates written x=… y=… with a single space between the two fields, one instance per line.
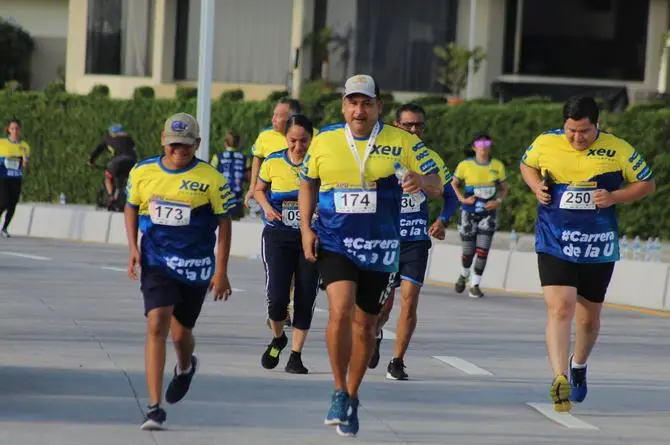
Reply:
x=578 y=200
x=356 y=202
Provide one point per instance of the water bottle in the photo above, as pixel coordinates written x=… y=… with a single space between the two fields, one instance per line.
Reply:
x=649 y=249
x=637 y=246
x=400 y=173
x=254 y=208
x=657 y=249
x=513 y=240
x=623 y=247
x=62 y=199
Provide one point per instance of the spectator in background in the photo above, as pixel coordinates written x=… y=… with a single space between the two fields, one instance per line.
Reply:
x=14 y=157
x=233 y=166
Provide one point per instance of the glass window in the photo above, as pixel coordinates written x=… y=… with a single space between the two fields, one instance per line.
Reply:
x=395 y=40
x=597 y=39
x=119 y=37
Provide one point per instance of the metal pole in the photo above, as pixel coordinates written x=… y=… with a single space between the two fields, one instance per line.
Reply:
x=205 y=59
x=518 y=29
x=471 y=65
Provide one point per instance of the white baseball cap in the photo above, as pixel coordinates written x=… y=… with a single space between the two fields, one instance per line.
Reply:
x=360 y=84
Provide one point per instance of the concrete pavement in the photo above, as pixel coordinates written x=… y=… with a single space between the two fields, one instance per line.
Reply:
x=71 y=354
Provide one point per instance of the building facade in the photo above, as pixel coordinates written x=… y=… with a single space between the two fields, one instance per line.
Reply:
x=258 y=43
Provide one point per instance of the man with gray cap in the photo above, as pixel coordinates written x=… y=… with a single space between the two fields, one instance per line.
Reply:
x=178 y=202
x=355 y=242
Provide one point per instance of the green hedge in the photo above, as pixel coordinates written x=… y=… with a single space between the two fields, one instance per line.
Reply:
x=63 y=128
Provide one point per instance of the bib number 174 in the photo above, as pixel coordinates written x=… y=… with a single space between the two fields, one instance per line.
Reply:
x=356 y=202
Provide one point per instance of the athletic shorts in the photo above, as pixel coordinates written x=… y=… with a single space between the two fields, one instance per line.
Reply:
x=590 y=279
x=370 y=285
x=161 y=290
x=413 y=263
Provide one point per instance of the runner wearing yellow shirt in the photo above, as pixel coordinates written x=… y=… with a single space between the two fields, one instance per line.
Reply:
x=14 y=158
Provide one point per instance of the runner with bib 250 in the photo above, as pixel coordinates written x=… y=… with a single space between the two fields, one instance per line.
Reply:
x=576 y=174
x=355 y=241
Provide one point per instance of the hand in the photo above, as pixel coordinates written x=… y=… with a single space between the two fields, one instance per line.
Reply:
x=603 y=198
x=542 y=193
x=248 y=197
x=271 y=214
x=310 y=244
x=437 y=229
x=133 y=264
x=412 y=183
x=221 y=287
x=469 y=201
x=492 y=205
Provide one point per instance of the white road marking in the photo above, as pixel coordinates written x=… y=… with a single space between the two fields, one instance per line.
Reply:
x=462 y=365
x=388 y=335
x=565 y=419
x=318 y=309
x=114 y=269
x=26 y=255
x=238 y=290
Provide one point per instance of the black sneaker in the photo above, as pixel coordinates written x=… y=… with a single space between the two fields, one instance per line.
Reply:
x=460 y=284
x=270 y=358
x=4 y=234
x=475 y=292
x=374 y=360
x=180 y=383
x=294 y=364
x=396 y=370
x=154 y=419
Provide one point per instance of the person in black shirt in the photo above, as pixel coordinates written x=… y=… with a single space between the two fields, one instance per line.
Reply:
x=124 y=155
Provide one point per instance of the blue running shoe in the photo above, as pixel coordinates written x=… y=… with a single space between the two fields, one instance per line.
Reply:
x=338 y=409
x=350 y=428
x=578 y=383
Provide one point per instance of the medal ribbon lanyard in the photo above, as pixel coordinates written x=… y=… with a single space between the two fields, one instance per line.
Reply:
x=368 y=150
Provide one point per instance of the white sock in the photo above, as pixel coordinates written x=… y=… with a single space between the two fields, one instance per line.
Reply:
x=465 y=272
x=576 y=365
x=190 y=365
x=476 y=279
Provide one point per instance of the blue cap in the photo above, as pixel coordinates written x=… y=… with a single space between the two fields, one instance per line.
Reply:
x=115 y=128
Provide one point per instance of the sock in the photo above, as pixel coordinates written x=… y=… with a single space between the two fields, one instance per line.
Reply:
x=190 y=366
x=154 y=407
x=295 y=353
x=465 y=272
x=575 y=365
x=476 y=279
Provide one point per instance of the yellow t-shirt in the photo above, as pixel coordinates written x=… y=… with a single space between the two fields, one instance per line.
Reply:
x=480 y=181
x=11 y=158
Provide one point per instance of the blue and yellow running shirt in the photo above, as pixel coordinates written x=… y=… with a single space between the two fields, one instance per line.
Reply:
x=414 y=216
x=362 y=221
x=231 y=164
x=179 y=212
x=480 y=181
x=268 y=141
x=283 y=180
x=571 y=227
x=11 y=158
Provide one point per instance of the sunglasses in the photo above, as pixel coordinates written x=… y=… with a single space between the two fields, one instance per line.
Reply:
x=483 y=143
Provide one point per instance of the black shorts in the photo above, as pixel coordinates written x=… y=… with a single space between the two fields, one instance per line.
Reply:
x=161 y=290
x=413 y=263
x=370 y=285
x=590 y=279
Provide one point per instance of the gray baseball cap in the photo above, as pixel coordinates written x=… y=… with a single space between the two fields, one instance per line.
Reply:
x=181 y=128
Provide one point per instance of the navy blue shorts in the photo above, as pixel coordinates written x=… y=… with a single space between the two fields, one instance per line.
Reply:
x=413 y=263
x=161 y=290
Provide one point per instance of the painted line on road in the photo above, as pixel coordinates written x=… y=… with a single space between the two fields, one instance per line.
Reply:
x=390 y=335
x=114 y=269
x=565 y=419
x=26 y=255
x=462 y=365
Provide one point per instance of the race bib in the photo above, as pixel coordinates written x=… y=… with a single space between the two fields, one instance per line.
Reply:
x=362 y=201
x=12 y=163
x=409 y=204
x=290 y=215
x=166 y=213
x=484 y=192
x=577 y=200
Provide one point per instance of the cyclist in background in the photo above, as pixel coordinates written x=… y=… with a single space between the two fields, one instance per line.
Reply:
x=484 y=183
x=122 y=148
x=232 y=164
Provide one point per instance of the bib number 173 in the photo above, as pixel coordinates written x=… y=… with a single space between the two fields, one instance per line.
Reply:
x=356 y=202
x=169 y=214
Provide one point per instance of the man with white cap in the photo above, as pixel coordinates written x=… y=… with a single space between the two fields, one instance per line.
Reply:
x=355 y=241
x=178 y=202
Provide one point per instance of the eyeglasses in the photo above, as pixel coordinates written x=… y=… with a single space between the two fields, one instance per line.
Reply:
x=419 y=125
x=482 y=143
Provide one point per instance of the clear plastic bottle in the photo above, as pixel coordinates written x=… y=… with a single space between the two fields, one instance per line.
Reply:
x=513 y=240
x=62 y=199
x=623 y=247
x=637 y=247
x=254 y=208
x=400 y=173
x=649 y=250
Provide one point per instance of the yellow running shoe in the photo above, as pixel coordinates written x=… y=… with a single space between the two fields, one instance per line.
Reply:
x=560 y=394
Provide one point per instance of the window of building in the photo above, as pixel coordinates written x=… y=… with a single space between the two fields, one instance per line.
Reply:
x=395 y=41
x=597 y=39
x=119 y=37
